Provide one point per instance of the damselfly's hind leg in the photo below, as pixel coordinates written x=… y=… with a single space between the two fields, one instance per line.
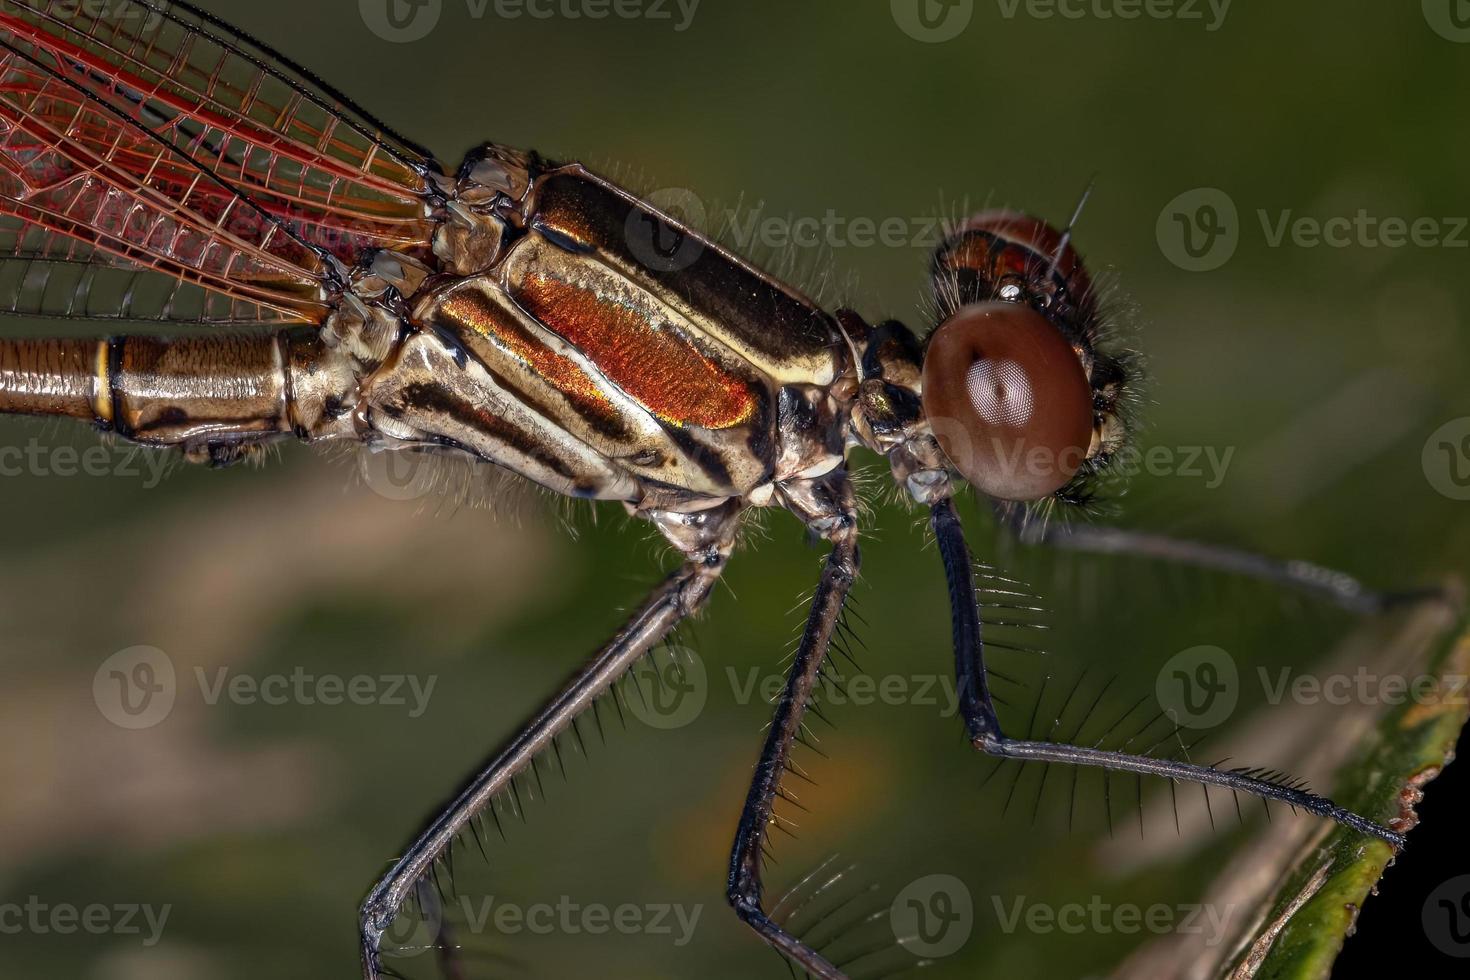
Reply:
x=826 y=505
x=984 y=728
x=706 y=539
x=1306 y=577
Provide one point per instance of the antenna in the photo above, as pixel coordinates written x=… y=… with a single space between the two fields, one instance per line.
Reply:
x=1067 y=232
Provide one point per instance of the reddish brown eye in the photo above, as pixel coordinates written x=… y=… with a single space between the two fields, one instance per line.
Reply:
x=1008 y=400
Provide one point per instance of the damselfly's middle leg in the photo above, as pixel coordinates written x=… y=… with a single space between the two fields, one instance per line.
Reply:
x=706 y=539
x=827 y=507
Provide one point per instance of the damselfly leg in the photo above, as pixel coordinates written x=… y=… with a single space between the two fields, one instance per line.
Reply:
x=983 y=726
x=706 y=539
x=984 y=731
x=829 y=511
x=1308 y=578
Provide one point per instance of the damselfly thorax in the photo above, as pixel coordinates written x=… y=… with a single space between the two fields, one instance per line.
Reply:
x=560 y=327
x=536 y=317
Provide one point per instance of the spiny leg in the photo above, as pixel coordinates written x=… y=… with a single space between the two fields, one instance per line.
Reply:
x=983 y=727
x=1302 y=576
x=827 y=507
x=706 y=539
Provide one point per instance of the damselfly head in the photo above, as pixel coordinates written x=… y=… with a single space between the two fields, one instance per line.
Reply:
x=1015 y=391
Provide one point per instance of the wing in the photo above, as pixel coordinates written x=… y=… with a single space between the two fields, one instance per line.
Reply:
x=157 y=164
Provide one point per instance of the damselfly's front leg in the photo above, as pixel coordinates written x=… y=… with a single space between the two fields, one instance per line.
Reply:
x=983 y=727
x=827 y=507
x=1306 y=577
x=706 y=539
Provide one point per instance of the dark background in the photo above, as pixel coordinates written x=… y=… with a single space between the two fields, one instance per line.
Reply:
x=1324 y=369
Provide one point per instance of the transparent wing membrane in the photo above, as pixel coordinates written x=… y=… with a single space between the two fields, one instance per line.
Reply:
x=142 y=138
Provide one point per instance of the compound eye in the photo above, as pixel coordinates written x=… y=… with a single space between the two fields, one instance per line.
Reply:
x=1008 y=400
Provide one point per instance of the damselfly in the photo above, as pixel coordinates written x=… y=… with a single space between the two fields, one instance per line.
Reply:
x=528 y=314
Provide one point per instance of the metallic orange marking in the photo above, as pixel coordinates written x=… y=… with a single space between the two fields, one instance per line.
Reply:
x=658 y=369
x=475 y=310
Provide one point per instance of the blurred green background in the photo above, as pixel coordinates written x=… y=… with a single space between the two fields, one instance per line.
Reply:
x=1325 y=370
